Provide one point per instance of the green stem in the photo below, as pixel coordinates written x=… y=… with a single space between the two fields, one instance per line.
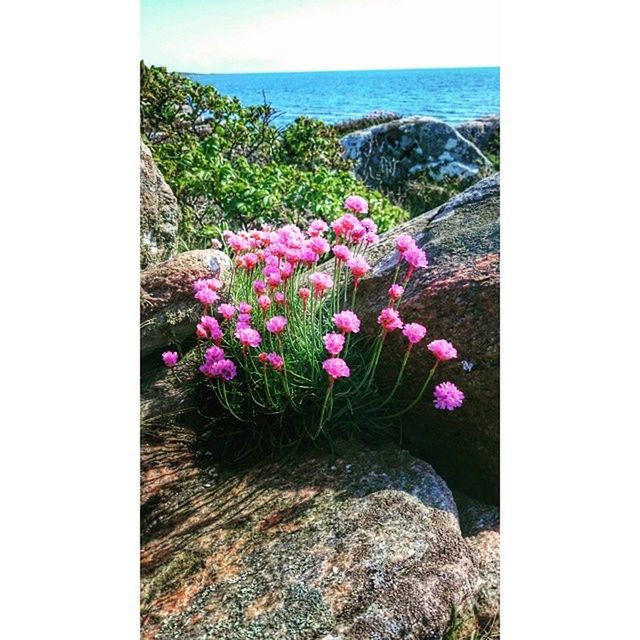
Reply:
x=353 y=296
x=226 y=402
x=402 y=368
x=375 y=362
x=395 y=275
x=324 y=407
x=374 y=357
x=419 y=397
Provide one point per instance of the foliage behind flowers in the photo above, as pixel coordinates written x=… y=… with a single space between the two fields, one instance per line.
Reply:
x=279 y=340
x=230 y=167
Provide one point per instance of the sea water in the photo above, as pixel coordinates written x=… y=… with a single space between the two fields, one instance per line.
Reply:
x=452 y=95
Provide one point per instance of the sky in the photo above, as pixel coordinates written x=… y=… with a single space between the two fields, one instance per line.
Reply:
x=243 y=36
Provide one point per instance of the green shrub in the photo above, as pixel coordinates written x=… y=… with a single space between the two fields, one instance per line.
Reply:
x=310 y=144
x=230 y=167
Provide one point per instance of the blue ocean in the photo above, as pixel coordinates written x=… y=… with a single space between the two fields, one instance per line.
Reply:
x=452 y=95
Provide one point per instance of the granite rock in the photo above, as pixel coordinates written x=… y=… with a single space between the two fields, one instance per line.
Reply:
x=480 y=525
x=168 y=311
x=393 y=153
x=361 y=545
x=483 y=132
x=159 y=213
x=457 y=298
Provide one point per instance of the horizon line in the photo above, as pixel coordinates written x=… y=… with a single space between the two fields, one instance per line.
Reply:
x=238 y=73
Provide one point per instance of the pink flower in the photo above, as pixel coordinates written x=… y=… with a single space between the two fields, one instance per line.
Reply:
x=209 y=283
x=349 y=222
x=206 y=296
x=279 y=297
x=414 y=332
x=209 y=328
x=304 y=293
x=321 y=282
x=244 y=318
x=276 y=324
x=357 y=204
x=278 y=249
x=227 y=311
x=333 y=343
x=248 y=337
x=369 y=225
x=292 y=256
x=389 y=319
x=308 y=256
x=264 y=302
x=170 y=358
x=396 y=291
x=262 y=357
x=318 y=245
x=247 y=261
x=442 y=350
x=250 y=261
x=317 y=227
x=237 y=242
x=243 y=307
x=357 y=233
x=286 y=270
x=275 y=361
x=201 y=332
x=207 y=369
x=259 y=287
x=347 y=321
x=404 y=242
x=342 y=252
x=224 y=369
x=359 y=268
x=274 y=279
x=338 y=227
x=336 y=368
x=291 y=236
x=447 y=396
x=416 y=257
x=213 y=353
x=370 y=238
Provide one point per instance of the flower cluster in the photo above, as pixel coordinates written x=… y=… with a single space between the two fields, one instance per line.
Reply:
x=282 y=325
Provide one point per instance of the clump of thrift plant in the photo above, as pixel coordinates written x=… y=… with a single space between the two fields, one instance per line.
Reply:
x=281 y=338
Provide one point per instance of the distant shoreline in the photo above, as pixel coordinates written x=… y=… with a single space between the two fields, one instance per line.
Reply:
x=268 y=73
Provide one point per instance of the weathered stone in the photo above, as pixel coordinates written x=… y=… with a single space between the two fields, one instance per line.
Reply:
x=168 y=311
x=364 y=545
x=159 y=213
x=456 y=298
x=389 y=154
x=480 y=524
x=483 y=132
x=167 y=393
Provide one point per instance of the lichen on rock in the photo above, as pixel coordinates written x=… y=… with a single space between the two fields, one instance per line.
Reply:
x=395 y=152
x=159 y=213
x=361 y=545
